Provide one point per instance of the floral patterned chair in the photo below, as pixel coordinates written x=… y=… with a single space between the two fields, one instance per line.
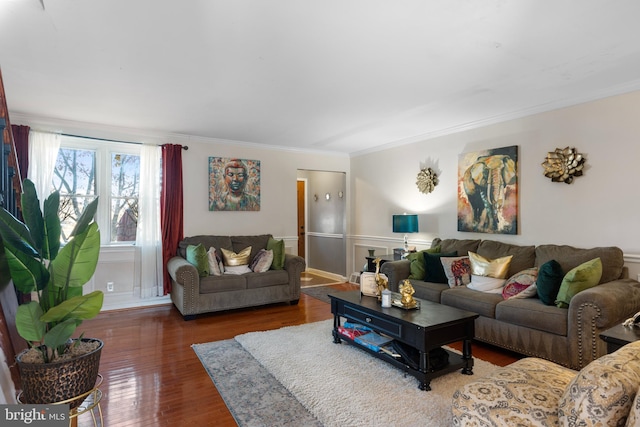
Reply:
x=536 y=392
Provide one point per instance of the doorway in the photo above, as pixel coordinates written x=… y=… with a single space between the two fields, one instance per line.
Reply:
x=302 y=212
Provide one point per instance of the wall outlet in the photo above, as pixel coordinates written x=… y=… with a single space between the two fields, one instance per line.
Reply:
x=109 y=286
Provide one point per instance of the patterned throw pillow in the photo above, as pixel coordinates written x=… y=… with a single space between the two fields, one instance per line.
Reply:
x=197 y=255
x=457 y=270
x=216 y=266
x=262 y=261
x=521 y=285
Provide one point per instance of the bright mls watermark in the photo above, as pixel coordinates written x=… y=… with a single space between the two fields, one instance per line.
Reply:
x=34 y=415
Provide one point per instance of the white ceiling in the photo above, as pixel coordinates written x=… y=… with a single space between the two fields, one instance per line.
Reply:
x=336 y=75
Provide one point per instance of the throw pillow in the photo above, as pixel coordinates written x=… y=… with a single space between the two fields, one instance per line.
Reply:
x=233 y=259
x=584 y=276
x=482 y=266
x=216 y=266
x=550 y=276
x=603 y=392
x=262 y=261
x=197 y=255
x=433 y=269
x=416 y=266
x=457 y=270
x=237 y=269
x=521 y=285
x=277 y=246
x=486 y=284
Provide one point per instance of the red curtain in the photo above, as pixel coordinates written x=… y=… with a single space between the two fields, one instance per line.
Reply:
x=21 y=141
x=171 y=210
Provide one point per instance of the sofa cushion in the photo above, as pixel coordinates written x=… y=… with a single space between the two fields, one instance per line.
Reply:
x=603 y=392
x=550 y=276
x=256 y=242
x=197 y=256
x=525 y=393
x=277 y=246
x=266 y=279
x=262 y=261
x=461 y=297
x=570 y=257
x=428 y=290
x=233 y=259
x=523 y=256
x=457 y=270
x=634 y=413
x=417 y=263
x=532 y=313
x=217 y=242
x=461 y=246
x=491 y=267
x=584 y=276
x=223 y=283
x=432 y=267
x=216 y=265
x=521 y=285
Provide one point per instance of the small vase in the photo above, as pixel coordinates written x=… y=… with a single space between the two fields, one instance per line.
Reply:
x=372 y=252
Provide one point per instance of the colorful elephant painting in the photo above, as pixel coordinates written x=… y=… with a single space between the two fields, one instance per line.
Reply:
x=487 y=191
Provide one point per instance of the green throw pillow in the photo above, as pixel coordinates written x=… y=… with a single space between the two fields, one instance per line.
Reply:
x=582 y=277
x=548 y=283
x=277 y=246
x=197 y=255
x=417 y=262
x=434 y=271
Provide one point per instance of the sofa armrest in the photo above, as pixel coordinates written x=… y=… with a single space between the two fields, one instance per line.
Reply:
x=396 y=271
x=294 y=265
x=185 y=287
x=596 y=309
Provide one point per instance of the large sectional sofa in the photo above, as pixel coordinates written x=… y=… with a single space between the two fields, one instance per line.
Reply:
x=192 y=294
x=568 y=336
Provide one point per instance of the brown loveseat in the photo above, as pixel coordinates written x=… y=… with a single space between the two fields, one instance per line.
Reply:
x=568 y=336
x=193 y=294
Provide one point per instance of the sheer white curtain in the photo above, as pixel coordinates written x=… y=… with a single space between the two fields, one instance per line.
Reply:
x=148 y=231
x=43 y=147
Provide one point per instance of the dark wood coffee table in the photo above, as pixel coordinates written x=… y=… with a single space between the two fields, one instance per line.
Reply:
x=429 y=327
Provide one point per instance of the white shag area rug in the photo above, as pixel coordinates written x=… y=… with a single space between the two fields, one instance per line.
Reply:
x=342 y=385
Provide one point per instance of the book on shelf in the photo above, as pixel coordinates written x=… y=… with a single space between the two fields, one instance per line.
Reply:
x=350 y=332
x=373 y=340
x=358 y=326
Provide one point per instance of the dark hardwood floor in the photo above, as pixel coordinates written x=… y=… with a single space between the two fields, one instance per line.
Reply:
x=152 y=377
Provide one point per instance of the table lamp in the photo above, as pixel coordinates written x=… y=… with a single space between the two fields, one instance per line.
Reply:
x=405 y=224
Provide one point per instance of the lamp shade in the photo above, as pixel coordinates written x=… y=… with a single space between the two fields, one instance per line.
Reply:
x=405 y=223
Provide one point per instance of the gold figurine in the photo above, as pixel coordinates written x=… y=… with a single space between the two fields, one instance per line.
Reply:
x=407 y=291
x=382 y=282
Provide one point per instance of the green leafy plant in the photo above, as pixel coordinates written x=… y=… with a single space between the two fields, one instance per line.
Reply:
x=37 y=263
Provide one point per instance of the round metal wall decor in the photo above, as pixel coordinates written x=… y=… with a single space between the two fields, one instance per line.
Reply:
x=427 y=180
x=563 y=165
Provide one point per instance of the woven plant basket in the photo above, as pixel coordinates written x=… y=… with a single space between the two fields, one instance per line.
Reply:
x=44 y=383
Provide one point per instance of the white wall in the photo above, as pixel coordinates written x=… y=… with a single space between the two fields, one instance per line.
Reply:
x=601 y=208
x=277 y=215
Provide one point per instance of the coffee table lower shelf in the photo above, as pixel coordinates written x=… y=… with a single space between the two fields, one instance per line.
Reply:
x=456 y=361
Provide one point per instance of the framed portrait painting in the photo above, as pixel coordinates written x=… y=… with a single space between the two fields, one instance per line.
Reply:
x=488 y=191
x=234 y=184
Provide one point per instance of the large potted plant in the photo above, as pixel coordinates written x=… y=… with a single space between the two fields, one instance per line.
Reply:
x=55 y=367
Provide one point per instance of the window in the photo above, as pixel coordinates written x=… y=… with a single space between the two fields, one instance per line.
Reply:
x=86 y=168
